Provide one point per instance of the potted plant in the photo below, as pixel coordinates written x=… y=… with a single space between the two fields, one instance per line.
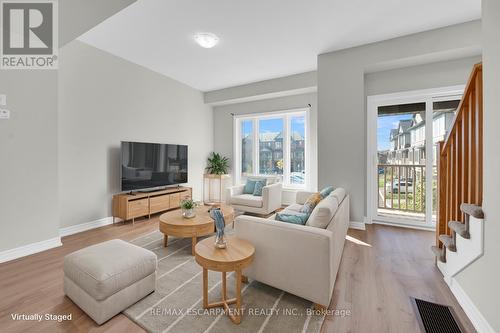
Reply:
x=217 y=164
x=216 y=171
x=188 y=207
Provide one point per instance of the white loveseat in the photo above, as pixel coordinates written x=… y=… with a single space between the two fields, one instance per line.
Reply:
x=265 y=204
x=300 y=259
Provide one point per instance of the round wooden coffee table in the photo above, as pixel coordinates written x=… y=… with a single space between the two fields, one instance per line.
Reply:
x=173 y=224
x=237 y=255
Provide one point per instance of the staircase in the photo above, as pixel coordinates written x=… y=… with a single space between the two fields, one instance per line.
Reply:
x=460 y=221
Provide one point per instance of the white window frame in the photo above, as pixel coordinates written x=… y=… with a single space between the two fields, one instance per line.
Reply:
x=255 y=118
x=414 y=96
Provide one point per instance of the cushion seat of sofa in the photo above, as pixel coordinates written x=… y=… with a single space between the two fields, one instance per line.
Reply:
x=247 y=200
x=106 y=268
x=295 y=207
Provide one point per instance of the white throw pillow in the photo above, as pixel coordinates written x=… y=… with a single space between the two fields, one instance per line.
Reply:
x=323 y=213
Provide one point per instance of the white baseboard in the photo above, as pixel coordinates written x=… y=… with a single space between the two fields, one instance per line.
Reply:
x=32 y=248
x=409 y=226
x=85 y=226
x=475 y=316
x=357 y=225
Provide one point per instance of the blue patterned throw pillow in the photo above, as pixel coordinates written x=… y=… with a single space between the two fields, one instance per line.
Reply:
x=326 y=191
x=259 y=185
x=249 y=186
x=298 y=218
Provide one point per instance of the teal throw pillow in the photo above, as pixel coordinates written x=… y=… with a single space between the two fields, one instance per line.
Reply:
x=326 y=191
x=298 y=218
x=259 y=185
x=249 y=186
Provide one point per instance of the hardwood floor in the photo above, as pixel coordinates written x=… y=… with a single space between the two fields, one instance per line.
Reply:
x=381 y=268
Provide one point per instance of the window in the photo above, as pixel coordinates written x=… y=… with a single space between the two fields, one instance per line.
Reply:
x=246 y=147
x=297 y=148
x=272 y=144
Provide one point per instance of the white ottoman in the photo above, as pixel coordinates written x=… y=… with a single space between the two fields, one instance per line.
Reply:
x=106 y=278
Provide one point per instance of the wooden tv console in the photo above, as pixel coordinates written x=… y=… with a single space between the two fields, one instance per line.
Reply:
x=128 y=206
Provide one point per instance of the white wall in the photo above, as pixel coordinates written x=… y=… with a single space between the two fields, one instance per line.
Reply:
x=480 y=280
x=78 y=16
x=104 y=100
x=28 y=158
x=342 y=102
x=223 y=123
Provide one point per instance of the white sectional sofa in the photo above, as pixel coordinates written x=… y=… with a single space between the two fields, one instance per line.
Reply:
x=269 y=202
x=300 y=259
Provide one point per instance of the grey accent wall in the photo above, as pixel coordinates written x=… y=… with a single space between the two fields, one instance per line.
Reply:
x=283 y=86
x=104 y=100
x=480 y=280
x=223 y=122
x=28 y=158
x=342 y=102
x=434 y=75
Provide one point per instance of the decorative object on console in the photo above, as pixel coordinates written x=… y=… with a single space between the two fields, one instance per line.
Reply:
x=218 y=217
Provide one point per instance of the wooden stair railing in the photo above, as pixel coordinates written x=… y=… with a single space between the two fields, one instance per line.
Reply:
x=460 y=160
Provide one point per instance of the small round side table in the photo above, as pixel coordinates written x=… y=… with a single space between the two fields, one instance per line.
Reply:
x=237 y=255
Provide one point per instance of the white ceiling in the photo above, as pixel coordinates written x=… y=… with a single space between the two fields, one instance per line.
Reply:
x=261 y=39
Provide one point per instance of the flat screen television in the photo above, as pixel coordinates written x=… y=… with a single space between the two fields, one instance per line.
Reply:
x=151 y=165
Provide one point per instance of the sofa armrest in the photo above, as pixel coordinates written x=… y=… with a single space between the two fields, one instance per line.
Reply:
x=290 y=257
x=302 y=196
x=271 y=195
x=234 y=190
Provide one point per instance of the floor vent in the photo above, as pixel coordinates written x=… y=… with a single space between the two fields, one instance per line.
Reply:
x=436 y=318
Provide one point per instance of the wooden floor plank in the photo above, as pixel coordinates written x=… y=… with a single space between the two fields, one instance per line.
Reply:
x=381 y=268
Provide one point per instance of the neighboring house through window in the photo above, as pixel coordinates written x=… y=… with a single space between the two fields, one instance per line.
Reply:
x=272 y=144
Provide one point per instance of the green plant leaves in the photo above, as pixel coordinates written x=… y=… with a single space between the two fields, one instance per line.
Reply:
x=217 y=164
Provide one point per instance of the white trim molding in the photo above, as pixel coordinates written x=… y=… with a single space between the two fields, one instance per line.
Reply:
x=403 y=97
x=74 y=229
x=28 y=249
x=286 y=115
x=470 y=309
x=357 y=225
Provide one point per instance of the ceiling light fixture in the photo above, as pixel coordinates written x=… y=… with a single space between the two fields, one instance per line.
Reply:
x=206 y=39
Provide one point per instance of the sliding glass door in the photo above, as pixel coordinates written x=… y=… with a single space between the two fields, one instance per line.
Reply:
x=403 y=132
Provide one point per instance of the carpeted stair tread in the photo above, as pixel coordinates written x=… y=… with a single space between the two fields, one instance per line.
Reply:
x=439 y=253
x=460 y=228
x=472 y=210
x=448 y=242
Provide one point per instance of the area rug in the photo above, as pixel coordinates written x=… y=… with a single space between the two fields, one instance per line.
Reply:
x=176 y=305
